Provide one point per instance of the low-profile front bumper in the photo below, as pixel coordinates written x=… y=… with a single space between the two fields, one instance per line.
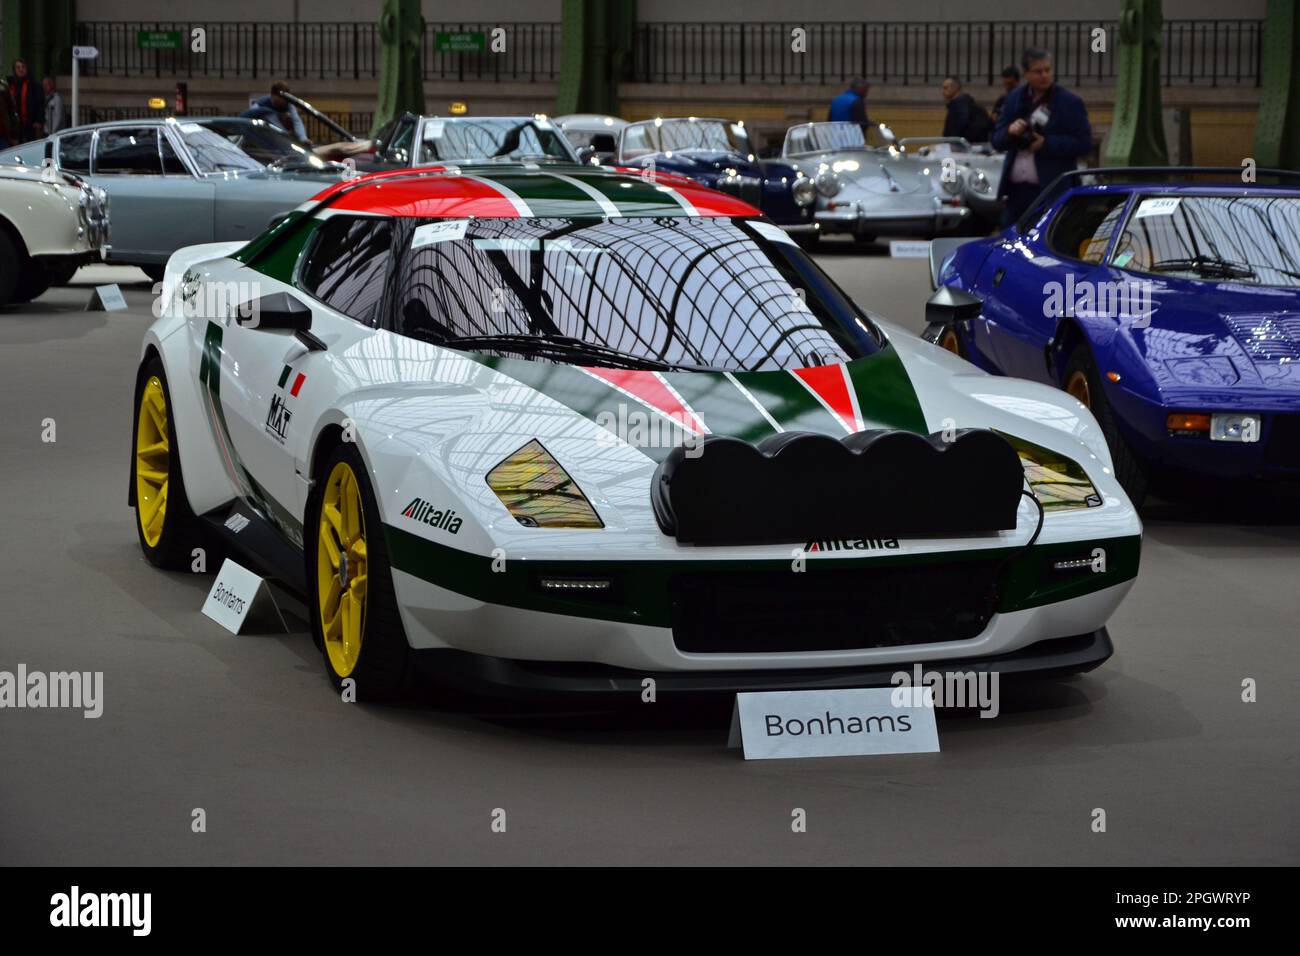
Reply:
x=849 y=217
x=503 y=677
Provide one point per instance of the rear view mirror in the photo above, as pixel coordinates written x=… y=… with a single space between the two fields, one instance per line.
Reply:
x=948 y=306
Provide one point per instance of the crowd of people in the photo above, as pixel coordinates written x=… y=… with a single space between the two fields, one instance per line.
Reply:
x=1042 y=127
x=29 y=110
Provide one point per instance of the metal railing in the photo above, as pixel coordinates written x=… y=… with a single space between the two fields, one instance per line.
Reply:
x=314 y=51
x=1200 y=52
x=1203 y=52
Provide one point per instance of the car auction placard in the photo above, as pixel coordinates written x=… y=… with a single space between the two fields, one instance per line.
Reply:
x=835 y=723
x=234 y=595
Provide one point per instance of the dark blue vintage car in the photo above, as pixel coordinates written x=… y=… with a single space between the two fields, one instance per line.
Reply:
x=1166 y=301
x=718 y=153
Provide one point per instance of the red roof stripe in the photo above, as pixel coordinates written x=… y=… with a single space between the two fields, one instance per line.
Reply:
x=830 y=386
x=649 y=388
x=429 y=197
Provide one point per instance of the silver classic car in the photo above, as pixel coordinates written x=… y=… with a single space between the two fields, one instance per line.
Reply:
x=975 y=165
x=50 y=224
x=172 y=183
x=412 y=140
x=866 y=190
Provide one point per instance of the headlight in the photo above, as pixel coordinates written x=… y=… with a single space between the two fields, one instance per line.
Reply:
x=1058 y=483
x=828 y=184
x=980 y=182
x=804 y=191
x=539 y=493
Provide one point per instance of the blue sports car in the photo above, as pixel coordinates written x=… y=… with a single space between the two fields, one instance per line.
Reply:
x=718 y=154
x=1170 y=309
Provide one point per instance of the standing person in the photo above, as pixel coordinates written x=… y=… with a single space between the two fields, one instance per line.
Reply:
x=1010 y=80
x=851 y=105
x=53 y=106
x=28 y=102
x=8 y=119
x=965 y=117
x=1044 y=129
x=276 y=109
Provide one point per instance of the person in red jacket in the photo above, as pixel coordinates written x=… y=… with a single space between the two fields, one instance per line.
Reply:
x=29 y=103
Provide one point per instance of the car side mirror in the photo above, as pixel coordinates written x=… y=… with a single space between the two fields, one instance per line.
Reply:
x=949 y=305
x=586 y=154
x=280 y=311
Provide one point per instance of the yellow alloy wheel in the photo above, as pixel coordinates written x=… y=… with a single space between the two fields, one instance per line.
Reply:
x=152 y=461
x=341 y=569
x=950 y=341
x=1077 y=386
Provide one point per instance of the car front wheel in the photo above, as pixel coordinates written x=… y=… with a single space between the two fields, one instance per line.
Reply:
x=1082 y=381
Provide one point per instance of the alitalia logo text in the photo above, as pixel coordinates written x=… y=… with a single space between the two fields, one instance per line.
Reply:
x=444 y=519
x=852 y=544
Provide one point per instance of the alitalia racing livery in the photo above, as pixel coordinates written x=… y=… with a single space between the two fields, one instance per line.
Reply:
x=564 y=428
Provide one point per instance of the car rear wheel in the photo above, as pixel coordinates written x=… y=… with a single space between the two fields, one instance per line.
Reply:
x=353 y=606
x=1082 y=381
x=155 y=273
x=166 y=526
x=951 y=341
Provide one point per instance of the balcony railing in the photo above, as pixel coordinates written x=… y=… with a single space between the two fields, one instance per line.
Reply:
x=1198 y=52
x=314 y=51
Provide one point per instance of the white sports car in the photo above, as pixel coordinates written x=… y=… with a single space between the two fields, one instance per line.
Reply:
x=563 y=429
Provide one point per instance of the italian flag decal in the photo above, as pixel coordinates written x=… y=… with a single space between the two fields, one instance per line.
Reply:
x=297 y=382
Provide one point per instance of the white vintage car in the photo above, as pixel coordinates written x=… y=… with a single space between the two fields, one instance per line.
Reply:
x=50 y=224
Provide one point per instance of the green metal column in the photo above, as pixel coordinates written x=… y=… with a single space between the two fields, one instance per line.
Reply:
x=401 y=79
x=1137 y=133
x=1277 y=137
x=596 y=47
x=40 y=32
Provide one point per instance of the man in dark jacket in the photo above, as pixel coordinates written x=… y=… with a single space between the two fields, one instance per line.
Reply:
x=1044 y=130
x=965 y=117
x=851 y=105
x=1010 y=80
x=28 y=102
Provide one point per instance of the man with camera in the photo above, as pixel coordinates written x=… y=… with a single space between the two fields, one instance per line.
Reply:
x=1044 y=130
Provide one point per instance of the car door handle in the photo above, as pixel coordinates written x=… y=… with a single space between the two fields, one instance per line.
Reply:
x=997 y=277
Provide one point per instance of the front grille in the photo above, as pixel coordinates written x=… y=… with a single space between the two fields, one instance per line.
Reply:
x=832 y=610
x=748 y=188
x=1283 y=448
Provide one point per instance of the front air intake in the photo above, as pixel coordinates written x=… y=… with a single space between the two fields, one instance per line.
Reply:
x=798 y=486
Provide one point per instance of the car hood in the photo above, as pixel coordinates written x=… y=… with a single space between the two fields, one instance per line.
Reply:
x=436 y=439
x=1223 y=340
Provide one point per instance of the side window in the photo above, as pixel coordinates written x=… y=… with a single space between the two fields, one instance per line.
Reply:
x=348 y=263
x=74 y=153
x=172 y=165
x=398 y=150
x=1083 y=227
x=127 y=151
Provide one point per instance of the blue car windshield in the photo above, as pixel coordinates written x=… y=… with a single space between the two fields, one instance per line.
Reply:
x=1253 y=239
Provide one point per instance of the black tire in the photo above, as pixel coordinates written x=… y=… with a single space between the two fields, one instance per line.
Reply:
x=12 y=266
x=946 y=337
x=808 y=241
x=181 y=532
x=32 y=283
x=1129 y=470
x=62 y=274
x=384 y=666
x=155 y=273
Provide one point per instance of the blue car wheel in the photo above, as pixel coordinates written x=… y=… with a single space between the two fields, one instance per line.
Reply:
x=1083 y=382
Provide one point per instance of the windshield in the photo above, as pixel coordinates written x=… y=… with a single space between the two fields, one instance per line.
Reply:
x=212 y=152
x=681 y=292
x=262 y=141
x=1246 y=239
x=502 y=140
x=684 y=135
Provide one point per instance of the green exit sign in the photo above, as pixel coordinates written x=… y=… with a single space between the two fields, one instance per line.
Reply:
x=158 y=39
x=461 y=42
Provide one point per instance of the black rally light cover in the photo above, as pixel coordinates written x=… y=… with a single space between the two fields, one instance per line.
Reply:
x=800 y=486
